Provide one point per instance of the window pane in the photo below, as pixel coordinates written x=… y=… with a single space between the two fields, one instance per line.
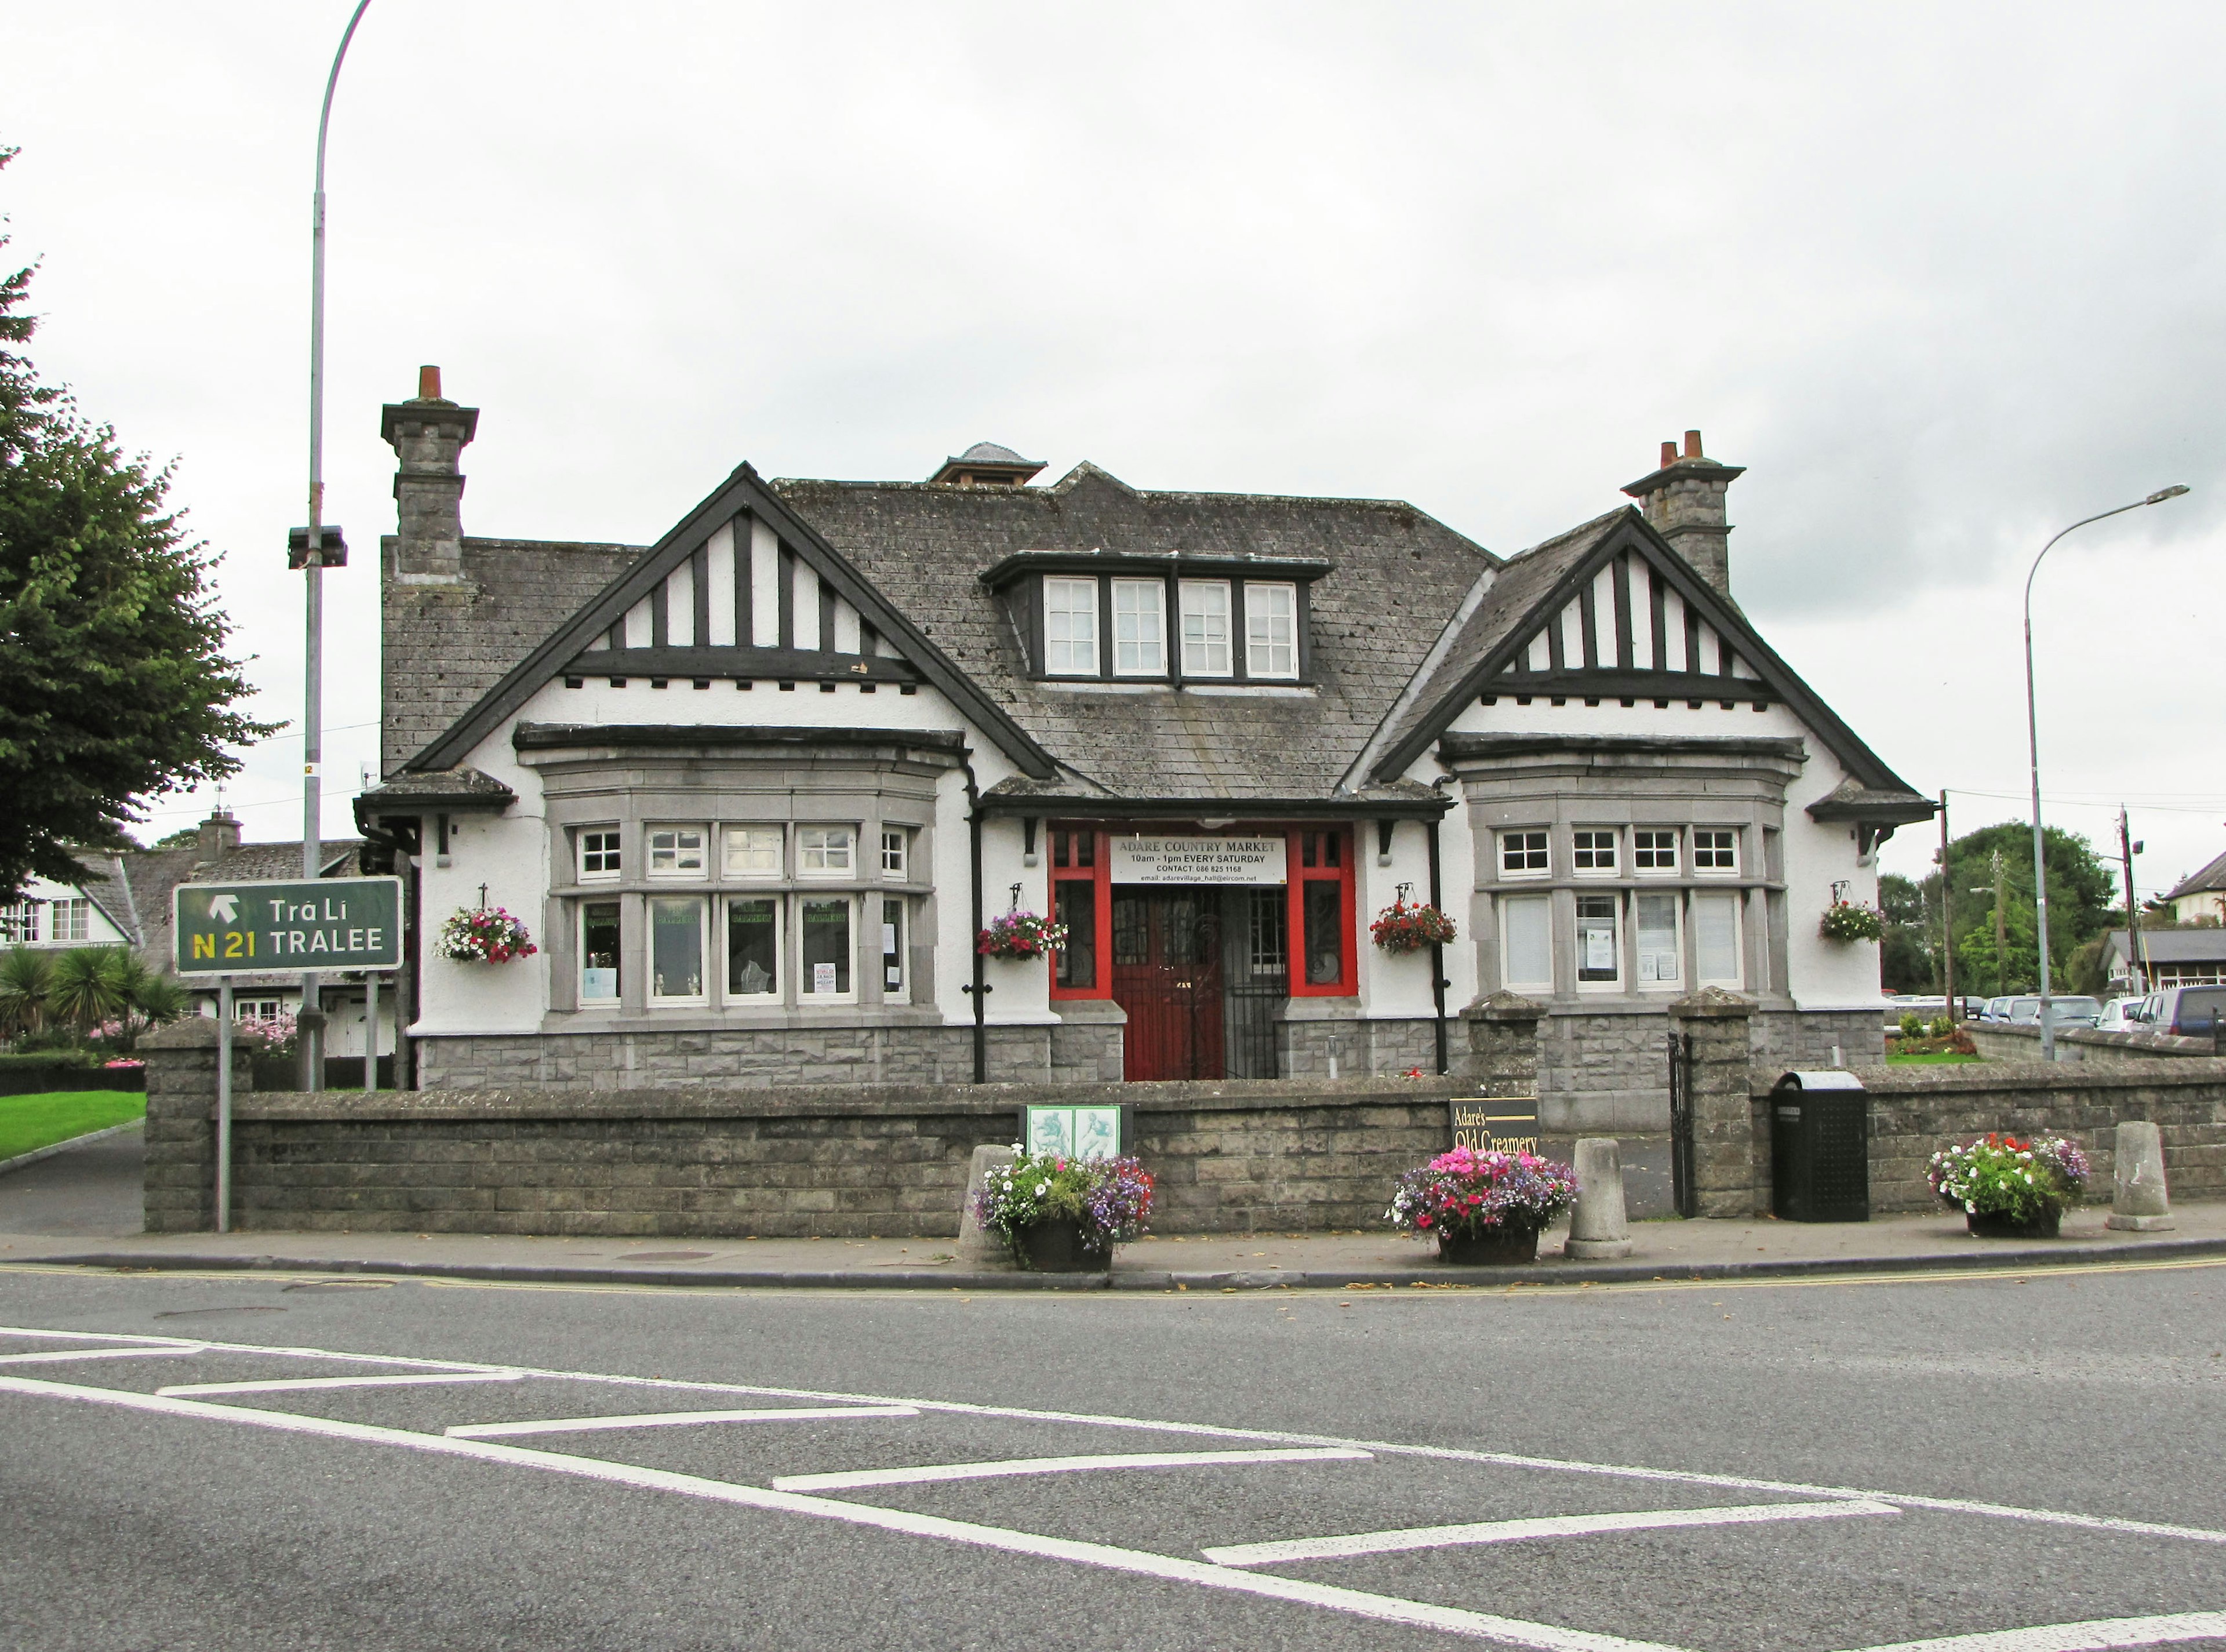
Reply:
x=754 y=851
x=1139 y=627
x=893 y=854
x=1715 y=938
x=1529 y=921
x=1522 y=852
x=1657 y=938
x=1075 y=905
x=893 y=946
x=1205 y=628
x=827 y=949
x=599 y=854
x=1654 y=851
x=1599 y=951
x=824 y=848
x=675 y=947
x=1595 y=851
x=676 y=850
x=754 y=948
x=599 y=951
x=1271 y=630
x=1715 y=851
x=1323 y=907
x=1071 y=626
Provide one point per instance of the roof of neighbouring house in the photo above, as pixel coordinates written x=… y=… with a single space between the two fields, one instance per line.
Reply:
x=134 y=888
x=2212 y=876
x=2176 y=946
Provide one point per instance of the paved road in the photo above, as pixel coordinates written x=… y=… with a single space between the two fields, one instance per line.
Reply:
x=89 y=1190
x=1774 y=1466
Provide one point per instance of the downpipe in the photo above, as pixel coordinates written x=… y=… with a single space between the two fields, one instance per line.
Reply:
x=978 y=988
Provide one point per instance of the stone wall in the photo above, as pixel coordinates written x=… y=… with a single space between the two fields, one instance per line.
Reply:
x=180 y=1185
x=1608 y=1073
x=2000 y=1041
x=1916 y=1111
x=695 y=1161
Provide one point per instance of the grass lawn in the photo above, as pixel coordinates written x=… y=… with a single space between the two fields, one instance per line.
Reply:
x=1937 y=1058
x=29 y=1122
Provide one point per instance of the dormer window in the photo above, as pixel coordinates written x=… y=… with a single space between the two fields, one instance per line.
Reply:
x=1161 y=616
x=1205 y=628
x=1140 y=628
x=1069 y=627
x=1271 y=630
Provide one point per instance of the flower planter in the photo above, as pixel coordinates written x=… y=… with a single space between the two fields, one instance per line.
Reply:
x=1488 y=1245
x=1057 y=1247
x=1999 y=1224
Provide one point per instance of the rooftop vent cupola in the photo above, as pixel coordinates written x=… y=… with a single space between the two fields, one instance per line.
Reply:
x=428 y=434
x=986 y=464
x=1684 y=503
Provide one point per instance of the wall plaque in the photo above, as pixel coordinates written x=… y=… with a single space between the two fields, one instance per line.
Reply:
x=1495 y=1124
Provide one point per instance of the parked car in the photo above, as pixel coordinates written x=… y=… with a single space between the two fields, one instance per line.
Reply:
x=2121 y=1015
x=2188 y=1011
x=1998 y=1009
x=2072 y=1010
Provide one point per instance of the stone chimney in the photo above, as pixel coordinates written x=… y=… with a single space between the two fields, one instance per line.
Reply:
x=217 y=835
x=427 y=435
x=1684 y=503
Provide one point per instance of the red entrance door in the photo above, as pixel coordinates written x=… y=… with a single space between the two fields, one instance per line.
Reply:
x=1166 y=974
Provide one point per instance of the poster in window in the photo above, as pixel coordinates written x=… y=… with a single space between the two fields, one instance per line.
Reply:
x=823 y=978
x=1599 y=944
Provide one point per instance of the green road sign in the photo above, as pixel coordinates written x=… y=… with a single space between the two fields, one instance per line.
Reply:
x=237 y=929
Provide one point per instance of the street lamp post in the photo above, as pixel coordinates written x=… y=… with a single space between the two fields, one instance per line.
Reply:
x=2032 y=748
x=311 y=1019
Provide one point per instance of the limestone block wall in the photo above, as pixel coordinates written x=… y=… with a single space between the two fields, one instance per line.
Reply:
x=1606 y=1072
x=1999 y=1041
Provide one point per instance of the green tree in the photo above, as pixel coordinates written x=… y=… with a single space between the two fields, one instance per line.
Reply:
x=2082 y=904
x=114 y=686
x=1908 y=949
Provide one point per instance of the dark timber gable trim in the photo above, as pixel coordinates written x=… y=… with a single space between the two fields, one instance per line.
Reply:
x=601 y=624
x=1774 y=678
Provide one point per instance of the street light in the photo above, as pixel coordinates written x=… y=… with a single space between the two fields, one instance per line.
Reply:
x=2033 y=746
x=311 y=1018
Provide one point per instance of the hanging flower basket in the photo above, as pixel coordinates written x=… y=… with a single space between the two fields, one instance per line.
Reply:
x=487 y=935
x=1850 y=920
x=1401 y=927
x=1020 y=935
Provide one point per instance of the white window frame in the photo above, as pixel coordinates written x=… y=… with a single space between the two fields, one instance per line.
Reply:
x=1069 y=627
x=1578 y=937
x=896 y=853
x=605 y=841
x=1259 y=650
x=1204 y=630
x=72 y=919
x=675 y=849
x=19 y=925
x=580 y=967
x=772 y=996
x=1701 y=871
x=805 y=994
x=1676 y=955
x=1579 y=848
x=1674 y=850
x=1508 y=975
x=893 y=976
x=1544 y=846
x=1737 y=901
x=1145 y=656
x=702 y=993
x=727 y=850
x=805 y=849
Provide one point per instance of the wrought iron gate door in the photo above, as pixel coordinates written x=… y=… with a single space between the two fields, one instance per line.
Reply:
x=1684 y=1193
x=1258 y=961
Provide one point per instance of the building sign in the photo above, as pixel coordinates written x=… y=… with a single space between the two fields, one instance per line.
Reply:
x=1075 y=1132
x=1495 y=1124
x=1198 y=859
x=230 y=929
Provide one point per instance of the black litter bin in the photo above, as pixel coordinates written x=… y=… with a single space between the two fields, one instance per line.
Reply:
x=1820 y=1166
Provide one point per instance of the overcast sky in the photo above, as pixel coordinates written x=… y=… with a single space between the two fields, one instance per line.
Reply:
x=1945 y=279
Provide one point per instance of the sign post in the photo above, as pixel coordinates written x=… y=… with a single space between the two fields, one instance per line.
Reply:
x=317 y=925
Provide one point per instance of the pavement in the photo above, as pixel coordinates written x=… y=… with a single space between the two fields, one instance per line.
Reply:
x=82 y=1207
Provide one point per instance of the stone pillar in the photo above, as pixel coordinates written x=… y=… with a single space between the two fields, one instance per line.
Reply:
x=1599 y=1227
x=1503 y=1043
x=1724 y=1147
x=980 y=1247
x=2139 y=1202
x=180 y=1183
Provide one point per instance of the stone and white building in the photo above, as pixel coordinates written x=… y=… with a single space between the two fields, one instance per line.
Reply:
x=758 y=786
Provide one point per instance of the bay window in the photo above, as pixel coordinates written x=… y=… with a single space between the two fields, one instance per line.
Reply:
x=754 y=851
x=1599 y=939
x=599 y=853
x=676 y=851
x=1658 y=951
x=893 y=946
x=754 y=947
x=676 y=948
x=826 y=947
x=1716 y=938
x=825 y=851
x=599 y=952
x=1526 y=924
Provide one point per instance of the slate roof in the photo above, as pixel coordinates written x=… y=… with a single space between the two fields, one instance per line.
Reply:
x=992 y=453
x=1399 y=575
x=2176 y=946
x=446 y=644
x=2211 y=877
x=133 y=888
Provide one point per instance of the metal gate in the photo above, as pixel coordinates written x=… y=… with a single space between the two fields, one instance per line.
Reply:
x=1683 y=1194
x=1257 y=966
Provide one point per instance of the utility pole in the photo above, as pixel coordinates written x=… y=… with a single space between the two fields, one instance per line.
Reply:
x=2002 y=928
x=1947 y=923
x=2136 y=962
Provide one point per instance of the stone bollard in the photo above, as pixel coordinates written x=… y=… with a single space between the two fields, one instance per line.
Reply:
x=978 y=1246
x=1598 y=1227
x=2139 y=1202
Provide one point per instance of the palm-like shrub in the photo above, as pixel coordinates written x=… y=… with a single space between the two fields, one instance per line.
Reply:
x=24 y=977
x=88 y=985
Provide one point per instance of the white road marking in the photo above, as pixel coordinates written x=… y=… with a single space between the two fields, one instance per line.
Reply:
x=295 y=1384
x=1381 y=1448
x=50 y=1356
x=1055 y=1465
x=1385 y=1609
x=2097 y=1635
x=99 y=1336
x=670 y=1419
x=1511 y=1531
